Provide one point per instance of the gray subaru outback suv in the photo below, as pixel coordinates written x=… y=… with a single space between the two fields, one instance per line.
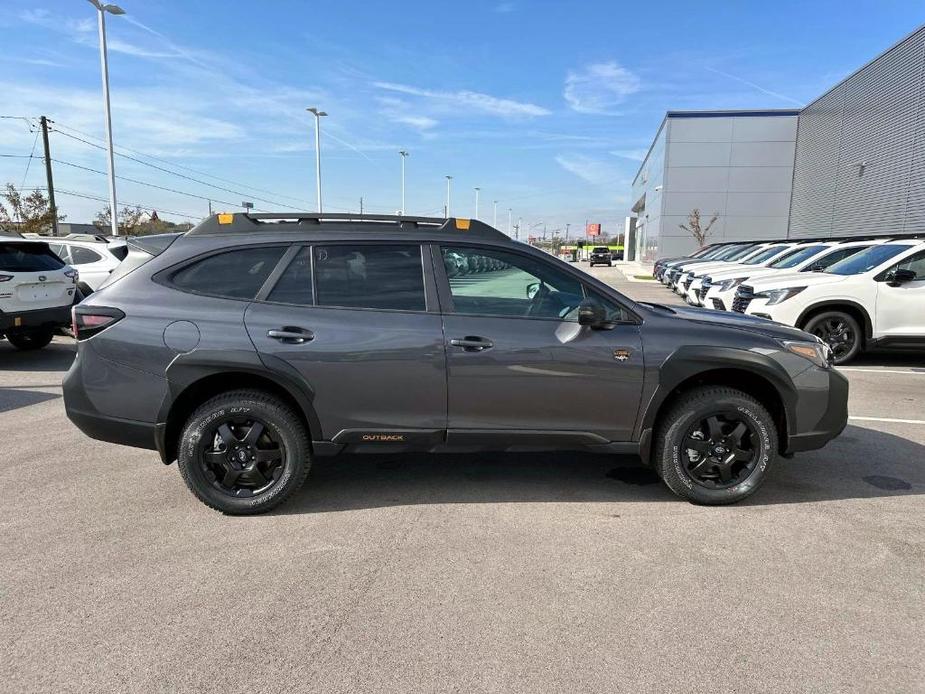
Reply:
x=254 y=343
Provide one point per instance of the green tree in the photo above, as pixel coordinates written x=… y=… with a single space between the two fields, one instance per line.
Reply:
x=25 y=214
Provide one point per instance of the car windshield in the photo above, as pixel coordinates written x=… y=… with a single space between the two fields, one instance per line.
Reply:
x=867 y=260
x=741 y=252
x=766 y=254
x=797 y=256
x=600 y=249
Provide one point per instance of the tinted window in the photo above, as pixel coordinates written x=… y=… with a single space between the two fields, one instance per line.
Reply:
x=738 y=252
x=370 y=276
x=834 y=257
x=866 y=260
x=83 y=256
x=600 y=249
x=766 y=254
x=119 y=251
x=497 y=283
x=295 y=284
x=28 y=257
x=797 y=256
x=915 y=262
x=236 y=274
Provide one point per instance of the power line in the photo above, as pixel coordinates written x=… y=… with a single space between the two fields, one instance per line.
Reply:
x=31 y=157
x=144 y=206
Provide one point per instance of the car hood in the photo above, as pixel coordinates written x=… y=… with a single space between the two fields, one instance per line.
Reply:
x=707 y=268
x=740 y=321
x=794 y=279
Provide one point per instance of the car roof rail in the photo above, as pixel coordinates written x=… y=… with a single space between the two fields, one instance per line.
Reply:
x=95 y=238
x=250 y=222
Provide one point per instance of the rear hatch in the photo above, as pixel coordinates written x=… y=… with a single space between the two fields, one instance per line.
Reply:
x=141 y=249
x=37 y=277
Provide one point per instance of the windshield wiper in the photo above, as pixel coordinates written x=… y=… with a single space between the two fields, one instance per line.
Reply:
x=661 y=306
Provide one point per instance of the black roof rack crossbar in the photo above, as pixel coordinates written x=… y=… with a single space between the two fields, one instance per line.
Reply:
x=343 y=217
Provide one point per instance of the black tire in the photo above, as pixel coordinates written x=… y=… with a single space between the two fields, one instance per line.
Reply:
x=840 y=331
x=699 y=478
x=30 y=339
x=258 y=483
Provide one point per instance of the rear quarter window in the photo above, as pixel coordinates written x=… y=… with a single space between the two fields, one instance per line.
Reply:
x=235 y=274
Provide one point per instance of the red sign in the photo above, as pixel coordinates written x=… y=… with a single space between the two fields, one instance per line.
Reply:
x=593 y=230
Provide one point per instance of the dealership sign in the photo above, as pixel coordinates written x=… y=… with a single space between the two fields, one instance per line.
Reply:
x=593 y=230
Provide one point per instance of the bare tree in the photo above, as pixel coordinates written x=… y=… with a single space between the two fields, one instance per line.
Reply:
x=25 y=214
x=695 y=228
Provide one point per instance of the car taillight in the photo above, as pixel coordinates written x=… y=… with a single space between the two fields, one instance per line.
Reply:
x=5 y=278
x=87 y=321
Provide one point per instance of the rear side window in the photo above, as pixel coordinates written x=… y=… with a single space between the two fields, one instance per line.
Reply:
x=84 y=256
x=28 y=257
x=119 y=251
x=236 y=274
x=370 y=276
x=295 y=284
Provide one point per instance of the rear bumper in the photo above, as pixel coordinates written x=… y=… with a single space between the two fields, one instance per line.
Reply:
x=44 y=317
x=833 y=421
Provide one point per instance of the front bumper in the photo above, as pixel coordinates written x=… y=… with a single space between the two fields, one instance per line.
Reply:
x=833 y=405
x=41 y=318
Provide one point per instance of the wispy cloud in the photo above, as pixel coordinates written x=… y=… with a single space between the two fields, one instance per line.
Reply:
x=599 y=88
x=474 y=101
x=591 y=170
x=776 y=95
x=634 y=154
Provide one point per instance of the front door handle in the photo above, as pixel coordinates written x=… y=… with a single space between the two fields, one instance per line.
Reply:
x=291 y=336
x=472 y=343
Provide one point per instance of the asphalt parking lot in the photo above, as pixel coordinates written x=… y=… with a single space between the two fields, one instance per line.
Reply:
x=513 y=573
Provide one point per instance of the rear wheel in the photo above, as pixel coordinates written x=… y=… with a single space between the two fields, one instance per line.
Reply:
x=714 y=445
x=244 y=452
x=29 y=339
x=840 y=331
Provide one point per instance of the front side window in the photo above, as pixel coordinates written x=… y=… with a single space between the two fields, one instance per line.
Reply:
x=766 y=254
x=376 y=276
x=738 y=252
x=493 y=282
x=914 y=262
x=795 y=257
x=236 y=274
x=834 y=257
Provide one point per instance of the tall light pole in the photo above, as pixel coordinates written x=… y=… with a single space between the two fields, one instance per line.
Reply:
x=567 y=225
x=477 y=189
x=101 y=11
x=494 y=213
x=447 y=208
x=403 y=154
x=318 y=114
x=510 y=219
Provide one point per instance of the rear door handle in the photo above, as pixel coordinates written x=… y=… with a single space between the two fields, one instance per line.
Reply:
x=291 y=336
x=472 y=343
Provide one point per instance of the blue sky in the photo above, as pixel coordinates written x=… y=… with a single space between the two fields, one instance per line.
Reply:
x=547 y=106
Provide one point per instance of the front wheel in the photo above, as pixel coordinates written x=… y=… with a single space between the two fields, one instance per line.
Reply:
x=243 y=452
x=714 y=446
x=840 y=331
x=35 y=338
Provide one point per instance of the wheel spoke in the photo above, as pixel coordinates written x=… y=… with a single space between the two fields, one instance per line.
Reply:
x=253 y=434
x=702 y=465
x=231 y=477
x=741 y=456
x=698 y=445
x=227 y=436
x=715 y=427
x=737 y=433
x=725 y=474
x=256 y=475
x=215 y=458
x=268 y=455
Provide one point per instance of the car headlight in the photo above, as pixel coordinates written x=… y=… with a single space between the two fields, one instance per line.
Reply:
x=818 y=353
x=776 y=296
x=726 y=285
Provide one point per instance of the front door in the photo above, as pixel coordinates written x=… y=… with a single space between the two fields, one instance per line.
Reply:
x=899 y=309
x=517 y=359
x=353 y=320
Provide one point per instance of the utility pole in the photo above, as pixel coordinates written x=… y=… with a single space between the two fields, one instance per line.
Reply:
x=51 y=184
x=361 y=204
x=210 y=208
x=403 y=153
x=567 y=225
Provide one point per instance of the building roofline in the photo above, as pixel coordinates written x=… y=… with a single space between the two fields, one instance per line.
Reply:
x=865 y=65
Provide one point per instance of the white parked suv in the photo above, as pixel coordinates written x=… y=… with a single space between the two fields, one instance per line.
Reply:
x=874 y=298
x=762 y=258
x=94 y=257
x=717 y=289
x=37 y=290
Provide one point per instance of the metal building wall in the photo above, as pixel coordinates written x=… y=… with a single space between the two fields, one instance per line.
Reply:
x=860 y=156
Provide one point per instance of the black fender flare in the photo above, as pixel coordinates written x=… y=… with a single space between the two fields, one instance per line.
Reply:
x=690 y=360
x=834 y=303
x=190 y=368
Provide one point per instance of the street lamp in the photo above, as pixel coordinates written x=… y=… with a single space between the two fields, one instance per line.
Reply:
x=403 y=154
x=494 y=214
x=318 y=114
x=101 y=11
x=477 y=189
x=447 y=208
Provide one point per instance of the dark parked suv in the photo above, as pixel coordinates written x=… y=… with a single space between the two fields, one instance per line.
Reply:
x=252 y=344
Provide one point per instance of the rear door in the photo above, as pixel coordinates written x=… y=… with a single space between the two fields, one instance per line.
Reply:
x=517 y=359
x=360 y=323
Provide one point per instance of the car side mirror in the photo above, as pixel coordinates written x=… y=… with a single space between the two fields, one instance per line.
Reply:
x=816 y=267
x=901 y=276
x=592 y=314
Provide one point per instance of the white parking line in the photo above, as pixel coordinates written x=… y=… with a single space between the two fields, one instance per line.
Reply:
x=882 y=371
x=888 y=419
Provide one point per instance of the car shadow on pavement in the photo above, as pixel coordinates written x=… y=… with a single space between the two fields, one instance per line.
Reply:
x=14 y=398
x=55 y=357
x=861 y=464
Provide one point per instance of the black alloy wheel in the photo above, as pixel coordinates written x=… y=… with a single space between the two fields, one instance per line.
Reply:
x=839 y=331
x=720 y=450
x=243 y=458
